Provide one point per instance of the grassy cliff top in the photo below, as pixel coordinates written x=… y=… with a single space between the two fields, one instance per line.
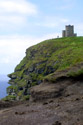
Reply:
x=64 y=52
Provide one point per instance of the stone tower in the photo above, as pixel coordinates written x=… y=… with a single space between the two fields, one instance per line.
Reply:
x=63 y=33
x=69 y=31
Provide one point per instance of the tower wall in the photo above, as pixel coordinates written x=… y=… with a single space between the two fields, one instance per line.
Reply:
x=69 y=30
x=63 y=33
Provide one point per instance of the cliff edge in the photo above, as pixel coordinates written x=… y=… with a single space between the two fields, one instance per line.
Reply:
x=46 y=61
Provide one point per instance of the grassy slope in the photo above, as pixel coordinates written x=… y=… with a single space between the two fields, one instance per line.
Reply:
x=64 y=52
x=60 y=54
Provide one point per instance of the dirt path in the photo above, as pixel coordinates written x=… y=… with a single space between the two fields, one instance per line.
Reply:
x=50 y=112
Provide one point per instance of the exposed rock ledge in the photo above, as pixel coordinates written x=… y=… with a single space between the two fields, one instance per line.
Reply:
x=63 y=88
x=60 y=84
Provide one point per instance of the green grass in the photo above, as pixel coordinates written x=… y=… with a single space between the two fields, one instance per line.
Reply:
x=9 y=98
x=75 y=74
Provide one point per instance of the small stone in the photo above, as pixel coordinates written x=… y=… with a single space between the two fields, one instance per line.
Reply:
x=77 y=99
x=51 y=101
x=57 y=123
x=45 y=103
x=16 y=113
x=19 y=113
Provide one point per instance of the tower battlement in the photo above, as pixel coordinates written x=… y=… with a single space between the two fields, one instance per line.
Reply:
x=69 y=31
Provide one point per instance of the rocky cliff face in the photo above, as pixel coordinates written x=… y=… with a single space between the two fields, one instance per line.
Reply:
x=42 y=62
x=62 y=84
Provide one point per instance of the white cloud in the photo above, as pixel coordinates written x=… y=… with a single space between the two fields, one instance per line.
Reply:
x=12 y=48
x=5 y=60
x=14 y=13
x=17 y=6
x=11 y=21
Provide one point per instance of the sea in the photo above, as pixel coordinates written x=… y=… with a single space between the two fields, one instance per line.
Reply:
x=3 y=85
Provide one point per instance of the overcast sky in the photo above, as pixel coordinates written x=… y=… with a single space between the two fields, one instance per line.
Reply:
x=24 y=23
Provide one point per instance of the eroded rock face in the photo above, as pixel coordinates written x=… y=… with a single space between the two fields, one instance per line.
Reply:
x=60 y=89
